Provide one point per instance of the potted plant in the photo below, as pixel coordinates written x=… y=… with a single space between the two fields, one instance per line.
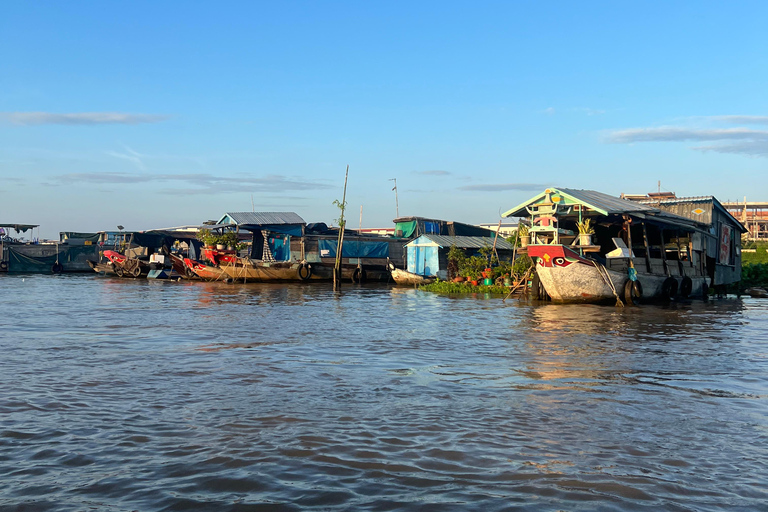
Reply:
x=586 y=230
x=524 y=234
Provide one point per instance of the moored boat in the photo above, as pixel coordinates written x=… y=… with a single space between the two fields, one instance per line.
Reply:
x=592 y=247
x=403 y=277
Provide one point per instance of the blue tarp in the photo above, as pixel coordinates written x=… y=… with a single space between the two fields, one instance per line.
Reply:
x=354 y=249
x=280 y=247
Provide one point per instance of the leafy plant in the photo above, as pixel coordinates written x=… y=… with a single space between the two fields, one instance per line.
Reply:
x=523 y=230
x=341 y=206
x=585 y=227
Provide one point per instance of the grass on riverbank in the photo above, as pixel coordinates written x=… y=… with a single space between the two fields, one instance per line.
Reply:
x=464 y=287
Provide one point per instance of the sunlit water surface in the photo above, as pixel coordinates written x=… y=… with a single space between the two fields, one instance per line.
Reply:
x=141 y=395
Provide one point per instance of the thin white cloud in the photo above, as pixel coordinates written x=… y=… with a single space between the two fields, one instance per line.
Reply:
x=496 y=187
x=82 y=118
x=549 y=111
x=130 y=155
x=673 y=133
x=743 y=141
x=432 y=173
x=742 y=119
x=204 y=183
x=589 y=111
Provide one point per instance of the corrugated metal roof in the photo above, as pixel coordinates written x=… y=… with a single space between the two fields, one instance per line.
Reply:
x=263 y=218
x=608 y=203
x=591 y=198
x=465 y=242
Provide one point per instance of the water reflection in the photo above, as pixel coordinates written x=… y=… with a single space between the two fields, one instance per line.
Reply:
x=138 y=395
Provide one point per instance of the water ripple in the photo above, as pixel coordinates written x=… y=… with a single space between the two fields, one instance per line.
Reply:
x=124 y=395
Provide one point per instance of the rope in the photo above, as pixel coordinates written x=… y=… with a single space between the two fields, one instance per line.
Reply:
x=607 y=278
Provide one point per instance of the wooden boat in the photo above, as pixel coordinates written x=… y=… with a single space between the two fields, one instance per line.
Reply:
x=102 y=268
x=205 y=272
x=127 y=267
x=400 y=276
x=641 y=252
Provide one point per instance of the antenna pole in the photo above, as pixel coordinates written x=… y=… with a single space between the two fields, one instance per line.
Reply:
x=397 y=206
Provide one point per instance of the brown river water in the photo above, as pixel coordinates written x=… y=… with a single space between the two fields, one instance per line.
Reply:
x=122 y=395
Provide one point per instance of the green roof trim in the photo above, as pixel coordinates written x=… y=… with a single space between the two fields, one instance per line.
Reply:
x=570 y=201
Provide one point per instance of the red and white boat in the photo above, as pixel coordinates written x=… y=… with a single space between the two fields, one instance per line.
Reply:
x=592 y=247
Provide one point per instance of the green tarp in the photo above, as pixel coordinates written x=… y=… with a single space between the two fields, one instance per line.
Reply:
x=41 y=259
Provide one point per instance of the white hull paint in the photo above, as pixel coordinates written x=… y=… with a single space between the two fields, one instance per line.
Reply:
x=568 y=277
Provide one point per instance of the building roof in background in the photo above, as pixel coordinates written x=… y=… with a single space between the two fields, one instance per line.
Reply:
x=465 y=242
x=261 y=218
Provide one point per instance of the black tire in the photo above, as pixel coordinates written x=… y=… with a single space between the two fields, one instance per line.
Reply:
x=3 y=266
x=686 y=287
x=633 y=292
x=359 y=275
x=189 y=273
x=119 y=271
x=304 y=271
x=57 y=268
x=669 y=288
x=136 y=272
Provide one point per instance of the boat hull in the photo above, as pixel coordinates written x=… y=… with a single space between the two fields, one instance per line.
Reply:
x=568 y=277
x=205 y=272
x=403 y=277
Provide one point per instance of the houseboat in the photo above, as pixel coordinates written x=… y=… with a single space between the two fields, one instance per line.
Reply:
x=31 y=255
x=427 y=255
x=593 y=247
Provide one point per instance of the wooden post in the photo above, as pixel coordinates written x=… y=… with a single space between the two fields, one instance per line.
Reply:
x=340 y=243
x=647 y=249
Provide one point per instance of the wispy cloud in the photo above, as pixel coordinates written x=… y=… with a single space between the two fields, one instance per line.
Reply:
x=203 y=183
x=589 y=111
x=495 y=187
x=742 y=119
x=432 y=173
x=743 y=141
x=549 y=111
x=82 y=118
x=132 y=156
x=672 y=133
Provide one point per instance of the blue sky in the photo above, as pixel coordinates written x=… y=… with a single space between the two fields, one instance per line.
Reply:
x=153 y=114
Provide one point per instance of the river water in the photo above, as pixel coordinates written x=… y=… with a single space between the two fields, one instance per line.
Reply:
x=119 y=395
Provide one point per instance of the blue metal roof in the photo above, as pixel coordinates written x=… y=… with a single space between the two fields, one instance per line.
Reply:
x=463 y=242
x=261 y=218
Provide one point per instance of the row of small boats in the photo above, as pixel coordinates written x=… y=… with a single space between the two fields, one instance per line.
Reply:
x=227 y=266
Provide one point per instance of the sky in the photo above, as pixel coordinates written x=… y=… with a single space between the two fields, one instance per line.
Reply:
x=153 y=114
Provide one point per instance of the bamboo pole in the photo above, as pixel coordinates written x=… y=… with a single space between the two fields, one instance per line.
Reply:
x=340 y=243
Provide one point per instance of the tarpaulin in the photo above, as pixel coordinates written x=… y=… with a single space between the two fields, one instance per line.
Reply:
x=354 y=249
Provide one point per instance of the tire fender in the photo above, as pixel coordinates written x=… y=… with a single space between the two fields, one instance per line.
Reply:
x=304 y=271
x=686 y=286
x=633 y=292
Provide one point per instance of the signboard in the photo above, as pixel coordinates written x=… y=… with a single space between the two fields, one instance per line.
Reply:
x=726 y=235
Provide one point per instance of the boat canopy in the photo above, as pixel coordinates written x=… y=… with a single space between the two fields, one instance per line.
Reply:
x=20 y=228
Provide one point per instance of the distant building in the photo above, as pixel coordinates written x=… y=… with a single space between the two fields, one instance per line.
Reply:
x=506 y=229
x=754 y=216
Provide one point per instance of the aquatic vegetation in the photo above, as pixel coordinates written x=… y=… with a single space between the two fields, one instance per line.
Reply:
x=463 y=287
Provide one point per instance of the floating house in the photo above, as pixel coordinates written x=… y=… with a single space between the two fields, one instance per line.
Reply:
x=589 y=246
x=427 y=255
x=70 y=254
x=414 y=227
x=724 y=240
x=284 y=247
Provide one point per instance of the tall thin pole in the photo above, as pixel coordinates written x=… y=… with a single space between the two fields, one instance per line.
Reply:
x=340 y=243
x=397 y=206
